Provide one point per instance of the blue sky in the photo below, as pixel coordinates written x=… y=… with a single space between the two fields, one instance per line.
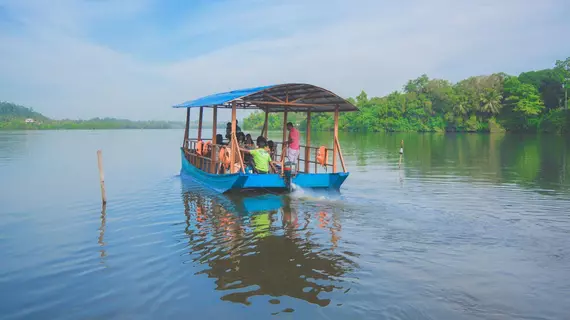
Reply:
x=135 y=58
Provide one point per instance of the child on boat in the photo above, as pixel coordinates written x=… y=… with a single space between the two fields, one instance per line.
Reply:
x=248 y=144
x=241 y=139
x=261 y=158
x=249 y=141
x=271 y=149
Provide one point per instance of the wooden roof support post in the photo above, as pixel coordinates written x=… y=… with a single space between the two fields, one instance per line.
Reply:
x=187 y=128
x=308 y=143
x=200 y=123
x=234 y=142
x=284 y=136
x=335 y=146
x=201 y=165
x=265 y=124
x=214 y=141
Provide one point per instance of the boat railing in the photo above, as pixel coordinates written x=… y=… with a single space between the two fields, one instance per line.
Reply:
x=307 y=160
x=206 y=162
x=306 y=163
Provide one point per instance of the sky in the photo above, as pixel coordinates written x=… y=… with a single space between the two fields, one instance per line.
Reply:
x=136 y=58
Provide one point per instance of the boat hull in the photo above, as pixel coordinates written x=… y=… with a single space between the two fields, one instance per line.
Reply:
x=243 y=181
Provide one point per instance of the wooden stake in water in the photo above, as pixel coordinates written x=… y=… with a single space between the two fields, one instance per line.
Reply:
x=401 y=153
x=101 y=239
x=101 y=176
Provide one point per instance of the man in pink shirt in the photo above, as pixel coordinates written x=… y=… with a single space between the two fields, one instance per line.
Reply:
x=294 y=144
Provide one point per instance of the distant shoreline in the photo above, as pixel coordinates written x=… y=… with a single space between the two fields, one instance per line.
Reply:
x=85 y=129
x=40 y=127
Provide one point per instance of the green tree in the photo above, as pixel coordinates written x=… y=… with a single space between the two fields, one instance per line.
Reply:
x=524 y=103
x=417 y=85
x=563 y=69
x=549 y=83
x=491 y=101
x=496 y=102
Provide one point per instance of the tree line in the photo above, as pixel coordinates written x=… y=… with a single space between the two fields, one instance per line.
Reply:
x=13 y=116
x=534 y=101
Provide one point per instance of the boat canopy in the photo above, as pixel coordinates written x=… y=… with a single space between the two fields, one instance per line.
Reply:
x=293 y=97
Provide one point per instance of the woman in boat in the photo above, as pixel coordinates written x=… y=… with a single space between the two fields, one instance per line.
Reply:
x=249 y=141
x=241 y=139
x=261 y=158
x=248 y=144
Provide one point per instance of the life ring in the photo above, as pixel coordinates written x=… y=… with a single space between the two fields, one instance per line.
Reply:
x=222 y=155
x=205 y=147
x=199 y=146
x=322 y=155
x=228 y=157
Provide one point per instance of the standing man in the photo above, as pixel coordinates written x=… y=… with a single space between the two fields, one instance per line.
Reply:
x=229 y=130
x=294 y=144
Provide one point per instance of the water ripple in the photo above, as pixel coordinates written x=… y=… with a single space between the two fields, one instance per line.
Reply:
x=457 y=233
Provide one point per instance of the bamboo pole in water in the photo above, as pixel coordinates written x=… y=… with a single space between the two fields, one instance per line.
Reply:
x=401 y=153
x=101 y=176
x=101 y=239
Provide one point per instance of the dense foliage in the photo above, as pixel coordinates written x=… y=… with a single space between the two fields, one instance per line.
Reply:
x=13 y=117
x=10 y=111
x=533 y=101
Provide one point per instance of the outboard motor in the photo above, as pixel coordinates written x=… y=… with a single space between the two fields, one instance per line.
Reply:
x=289 y=171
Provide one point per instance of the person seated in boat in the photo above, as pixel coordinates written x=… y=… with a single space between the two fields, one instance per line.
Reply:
x=261 y=158
x=271 y=149
x=241 y=139
x=249 y=142
x=238 y=129
x=220 y=139
x=229 y=130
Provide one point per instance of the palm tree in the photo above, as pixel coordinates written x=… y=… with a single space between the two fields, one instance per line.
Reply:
x=491 y=101
x=460 y=107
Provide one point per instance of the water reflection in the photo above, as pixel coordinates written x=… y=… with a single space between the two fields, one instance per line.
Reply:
x=529 y=160
x=101 y=238
x=267 y=245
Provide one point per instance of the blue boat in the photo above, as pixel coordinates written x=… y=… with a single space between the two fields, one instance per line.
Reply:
x=221 y=167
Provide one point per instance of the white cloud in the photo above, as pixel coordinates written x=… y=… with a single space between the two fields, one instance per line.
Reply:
x=344 y=46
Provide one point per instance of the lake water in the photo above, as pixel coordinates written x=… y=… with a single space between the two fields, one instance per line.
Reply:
x=470 y=227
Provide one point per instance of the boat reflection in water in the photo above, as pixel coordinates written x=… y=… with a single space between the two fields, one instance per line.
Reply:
x=266 y=245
